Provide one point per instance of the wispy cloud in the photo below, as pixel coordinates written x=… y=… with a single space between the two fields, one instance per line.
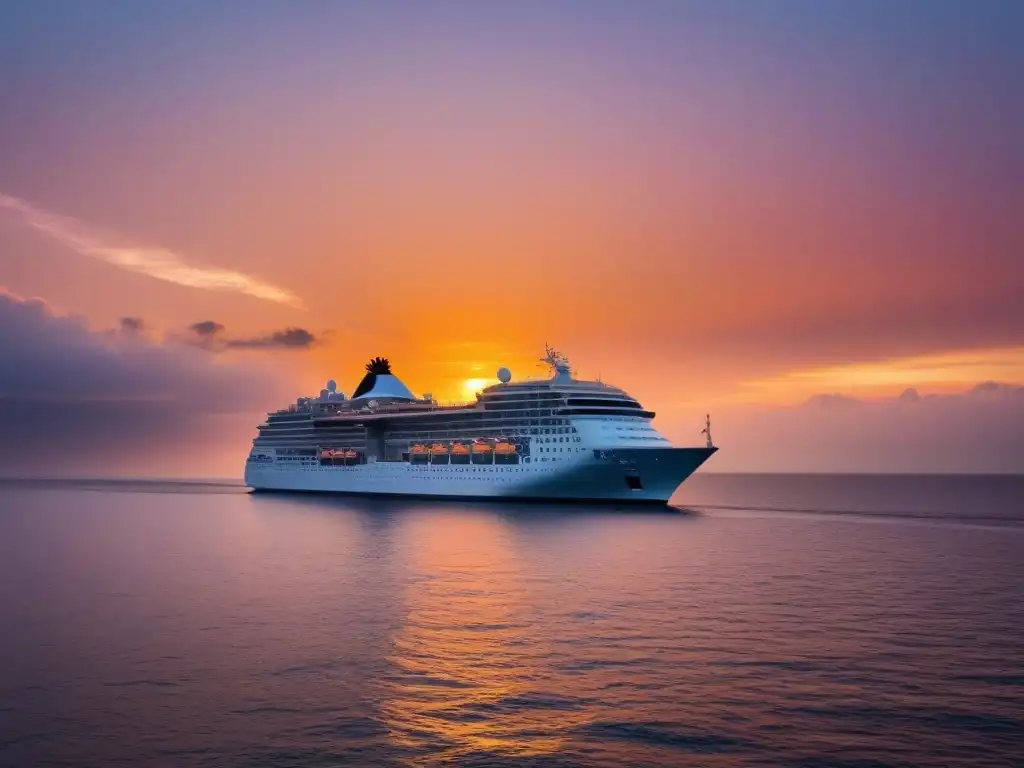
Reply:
x=159 y=263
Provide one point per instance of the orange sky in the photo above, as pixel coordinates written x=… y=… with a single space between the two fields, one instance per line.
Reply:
x=712 y=208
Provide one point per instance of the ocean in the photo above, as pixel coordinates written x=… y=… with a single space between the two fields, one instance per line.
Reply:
x=759 y=621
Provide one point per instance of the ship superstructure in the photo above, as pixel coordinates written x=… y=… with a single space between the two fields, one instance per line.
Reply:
x=557 y=438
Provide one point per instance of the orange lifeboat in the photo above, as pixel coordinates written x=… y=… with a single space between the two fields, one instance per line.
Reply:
x=439 y=448
x=506 y=453
x=483 y=452
x=418 y=449
x=460 y=453
x=339 y=456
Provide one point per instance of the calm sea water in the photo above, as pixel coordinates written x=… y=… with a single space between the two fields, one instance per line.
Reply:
x=782 y=621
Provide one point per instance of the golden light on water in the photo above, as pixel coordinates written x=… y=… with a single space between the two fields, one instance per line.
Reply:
x=463 y=657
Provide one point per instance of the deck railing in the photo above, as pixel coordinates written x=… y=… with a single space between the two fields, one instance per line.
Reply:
x=431 y=407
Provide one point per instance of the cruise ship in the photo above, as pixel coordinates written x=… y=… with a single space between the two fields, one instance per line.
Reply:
x=557 y=438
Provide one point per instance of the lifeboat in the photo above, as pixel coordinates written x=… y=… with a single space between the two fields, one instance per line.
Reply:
x=418 y=449
x=506 y=453
x=438 y=453
x=339 y=456
x=483 y=452
x=419 y=453
x=460 y=453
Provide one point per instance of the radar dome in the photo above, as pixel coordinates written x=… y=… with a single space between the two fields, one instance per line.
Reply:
x=332 y=385
x=504 y=375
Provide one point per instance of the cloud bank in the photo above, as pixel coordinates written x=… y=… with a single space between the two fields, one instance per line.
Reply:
x=73 y=400
x=979 y=430
x=158 y=263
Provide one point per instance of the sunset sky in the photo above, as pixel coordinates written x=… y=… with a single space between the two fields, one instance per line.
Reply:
x=804 y=217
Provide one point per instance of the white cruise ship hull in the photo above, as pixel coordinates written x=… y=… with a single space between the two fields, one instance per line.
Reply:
x=649 y=475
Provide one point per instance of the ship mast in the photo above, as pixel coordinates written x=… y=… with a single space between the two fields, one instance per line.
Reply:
x=557 y=362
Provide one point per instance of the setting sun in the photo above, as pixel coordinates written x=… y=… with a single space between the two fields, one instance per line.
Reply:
x=471 y=386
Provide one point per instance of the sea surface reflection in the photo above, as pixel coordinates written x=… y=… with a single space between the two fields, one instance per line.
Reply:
x=770 y=621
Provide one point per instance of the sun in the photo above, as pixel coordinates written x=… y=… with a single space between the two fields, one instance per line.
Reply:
x=471 y=386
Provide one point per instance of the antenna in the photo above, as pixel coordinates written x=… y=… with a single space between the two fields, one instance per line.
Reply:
x=556 y=361
x=707 y=430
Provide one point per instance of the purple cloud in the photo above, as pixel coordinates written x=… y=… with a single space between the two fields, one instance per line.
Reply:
x=209 y=335
x=70 y=396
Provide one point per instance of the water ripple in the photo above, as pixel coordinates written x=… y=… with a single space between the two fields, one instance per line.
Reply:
x=666 y=734
x=204 y=628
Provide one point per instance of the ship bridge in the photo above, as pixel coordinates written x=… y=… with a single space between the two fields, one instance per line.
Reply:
x=568 y=397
